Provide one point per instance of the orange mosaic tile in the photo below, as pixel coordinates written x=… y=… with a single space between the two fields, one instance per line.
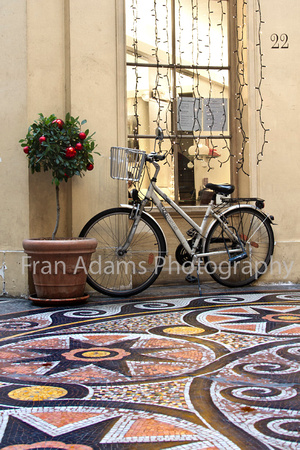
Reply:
x=152 y=427
x=62 y=418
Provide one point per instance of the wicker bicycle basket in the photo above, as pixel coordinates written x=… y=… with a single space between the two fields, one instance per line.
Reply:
x=126 y=163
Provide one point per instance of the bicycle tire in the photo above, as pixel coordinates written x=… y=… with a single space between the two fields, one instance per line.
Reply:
x=123 y=276
x=259 y=250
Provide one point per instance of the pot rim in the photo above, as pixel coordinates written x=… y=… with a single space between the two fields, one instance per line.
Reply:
x=42 y=245
x=59 y=239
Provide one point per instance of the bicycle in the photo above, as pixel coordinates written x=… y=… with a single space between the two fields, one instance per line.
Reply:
x=235 y=248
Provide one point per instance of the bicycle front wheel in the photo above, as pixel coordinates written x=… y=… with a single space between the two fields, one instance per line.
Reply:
x=121 y=275
x=254 y=231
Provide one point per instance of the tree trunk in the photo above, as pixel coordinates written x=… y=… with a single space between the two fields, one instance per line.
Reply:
x=57 y=212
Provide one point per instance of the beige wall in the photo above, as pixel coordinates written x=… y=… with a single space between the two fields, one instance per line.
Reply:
x=68 y=55
x=14 y=217
x=277 y=177
x=97 y=90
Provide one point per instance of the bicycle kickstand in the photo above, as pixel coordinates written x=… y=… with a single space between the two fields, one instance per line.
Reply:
x=192 y=279
x=198 y=277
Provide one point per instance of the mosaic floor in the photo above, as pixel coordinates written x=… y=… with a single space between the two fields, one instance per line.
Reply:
x=216 y=373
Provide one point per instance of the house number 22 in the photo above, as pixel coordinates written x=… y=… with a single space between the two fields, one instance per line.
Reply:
x=280 y=41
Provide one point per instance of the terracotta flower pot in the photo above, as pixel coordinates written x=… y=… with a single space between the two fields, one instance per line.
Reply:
x=59 y=267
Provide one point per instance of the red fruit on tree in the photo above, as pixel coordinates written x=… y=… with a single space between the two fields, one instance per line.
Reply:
x=90 y=166
x=59 y=122
x=70 y=152
x=26 y=149
x=82 y=136
x=79 y=146
x=42 y=139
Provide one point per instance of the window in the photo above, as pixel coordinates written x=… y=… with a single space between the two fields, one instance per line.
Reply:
x=178 y=78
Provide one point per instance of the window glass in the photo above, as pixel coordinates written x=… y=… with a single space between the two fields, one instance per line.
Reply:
x=178 y=79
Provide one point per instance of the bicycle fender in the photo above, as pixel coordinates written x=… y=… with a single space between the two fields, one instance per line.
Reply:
x=269 y=217
x=233 y=208
x=129 y=207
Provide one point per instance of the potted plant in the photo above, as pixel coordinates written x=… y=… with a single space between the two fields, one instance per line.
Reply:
x=59 y=266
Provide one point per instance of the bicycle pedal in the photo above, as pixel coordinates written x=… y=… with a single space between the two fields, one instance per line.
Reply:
x=238 y=257
x=191 y=279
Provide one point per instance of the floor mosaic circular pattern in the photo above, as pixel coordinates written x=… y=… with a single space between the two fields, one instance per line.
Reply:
x=212 y=373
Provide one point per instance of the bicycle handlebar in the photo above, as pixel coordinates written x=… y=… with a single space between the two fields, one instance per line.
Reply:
x=155 y=157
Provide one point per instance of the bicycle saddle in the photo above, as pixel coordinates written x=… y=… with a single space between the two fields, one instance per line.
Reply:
x=225 y=189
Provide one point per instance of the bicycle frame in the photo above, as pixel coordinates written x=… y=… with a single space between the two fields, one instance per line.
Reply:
x=151 y=194
x=153 y=189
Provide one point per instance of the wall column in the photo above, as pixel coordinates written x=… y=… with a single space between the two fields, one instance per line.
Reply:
x=97 y=68
x=14 y=216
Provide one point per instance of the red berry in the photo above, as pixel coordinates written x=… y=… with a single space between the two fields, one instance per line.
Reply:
x=42 y=139
x=60 y=123
x=82 y=136
x=70 y=152
x=26 y=149
x=90 y=166
x=79 y=146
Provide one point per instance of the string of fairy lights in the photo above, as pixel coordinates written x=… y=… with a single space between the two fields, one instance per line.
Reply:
x=241 y=83
x=225 y=147
x=175 y=60
x=224 y=119
x=135 y=42
x=265 y=130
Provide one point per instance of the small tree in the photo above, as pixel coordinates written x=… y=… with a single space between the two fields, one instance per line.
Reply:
x=59 y=146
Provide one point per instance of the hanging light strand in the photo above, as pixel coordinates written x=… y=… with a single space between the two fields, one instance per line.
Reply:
x=157 y=85
x=167 y=41
x=265 y=130
x=134 y=6
x=209 y=110
x=197 y=98
x=222 y=92
x=162 y=79
x=241 y=83
x=179 y=76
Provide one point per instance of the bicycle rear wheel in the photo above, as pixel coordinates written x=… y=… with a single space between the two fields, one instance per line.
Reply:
x=123 y=275
x=255 y=233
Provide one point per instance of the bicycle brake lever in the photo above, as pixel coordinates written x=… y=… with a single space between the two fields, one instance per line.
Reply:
x=153 y=156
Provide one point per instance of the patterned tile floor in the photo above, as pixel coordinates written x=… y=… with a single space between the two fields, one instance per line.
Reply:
x=220 y=372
